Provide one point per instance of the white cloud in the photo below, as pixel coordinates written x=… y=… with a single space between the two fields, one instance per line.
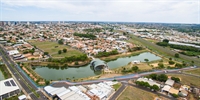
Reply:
x=185 y=11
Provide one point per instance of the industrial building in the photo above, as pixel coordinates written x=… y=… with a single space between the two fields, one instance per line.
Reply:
x=8 y=88
x=100 y=91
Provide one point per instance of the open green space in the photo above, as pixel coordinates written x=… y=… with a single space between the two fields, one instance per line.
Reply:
x=188 y=80
x=132 y=93
x=5 y=71
x=53 y=47
x=164 y=51
x=117 y=86
x=196 y=71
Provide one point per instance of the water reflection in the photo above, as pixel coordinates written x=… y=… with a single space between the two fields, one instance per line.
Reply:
x=52 y=73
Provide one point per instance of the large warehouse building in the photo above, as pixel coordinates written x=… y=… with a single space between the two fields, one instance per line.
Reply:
x=8 y=88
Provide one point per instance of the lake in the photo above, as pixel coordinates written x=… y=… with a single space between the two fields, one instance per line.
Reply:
x=86 y=71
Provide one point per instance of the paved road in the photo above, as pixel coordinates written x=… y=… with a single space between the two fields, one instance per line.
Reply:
x=118 y=92
x=20 y=77
x=119 y=78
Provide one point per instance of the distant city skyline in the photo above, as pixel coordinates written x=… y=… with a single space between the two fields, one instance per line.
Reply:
x=158 y=11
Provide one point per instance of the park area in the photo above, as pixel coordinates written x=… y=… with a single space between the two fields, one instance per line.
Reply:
x=53 y=47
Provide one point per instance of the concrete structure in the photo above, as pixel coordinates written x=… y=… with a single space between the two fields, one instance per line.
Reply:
x=173 y=91
x=135 y=62
x=8 y=88
x=98 y=65
x=73 y=93
x=150 y=81
x=22 y=97
x=169 y=82
x=12 y=52
x=166 y=88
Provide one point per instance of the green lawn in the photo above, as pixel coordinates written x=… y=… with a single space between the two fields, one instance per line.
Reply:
x=163 y=50
x=53 y=48
x=117 y=86
x=188 y=80
x=196 y=71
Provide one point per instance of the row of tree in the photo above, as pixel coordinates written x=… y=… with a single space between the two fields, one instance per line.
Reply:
x=134 y=68
x=106 y=54
x=180 y=47
x=60 y=51
x=82 y=57
x=147 y=85
x=93 y=30
x=161 y=77
x=90 y=36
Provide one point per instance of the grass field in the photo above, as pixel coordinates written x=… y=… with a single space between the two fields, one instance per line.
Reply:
x=163 y=51
x=117 y=86
x=188 y=80
x=53 y=48
x=132 y=93
x=196 y=71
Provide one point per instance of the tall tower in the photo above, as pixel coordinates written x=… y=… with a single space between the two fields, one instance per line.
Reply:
x=28 y=23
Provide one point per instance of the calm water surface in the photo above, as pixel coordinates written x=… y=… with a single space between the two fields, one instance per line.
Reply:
x=86 y=71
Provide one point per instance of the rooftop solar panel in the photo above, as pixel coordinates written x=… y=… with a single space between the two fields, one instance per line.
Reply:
x=7 y=83
x=12 y=82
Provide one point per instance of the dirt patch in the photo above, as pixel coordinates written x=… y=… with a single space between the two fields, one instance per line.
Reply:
x=109 y=75
x=29 y=73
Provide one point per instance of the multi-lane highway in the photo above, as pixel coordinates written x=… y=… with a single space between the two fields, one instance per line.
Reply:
x=20 y=77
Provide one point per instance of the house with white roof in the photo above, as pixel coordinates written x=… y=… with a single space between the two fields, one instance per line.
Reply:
x=8 y=88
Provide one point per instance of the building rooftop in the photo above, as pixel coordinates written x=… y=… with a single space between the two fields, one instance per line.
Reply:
x=173 y=91
x=8 y=85
x=169 y=82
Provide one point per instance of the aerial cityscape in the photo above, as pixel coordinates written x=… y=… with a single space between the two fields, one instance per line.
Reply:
x=100 y=50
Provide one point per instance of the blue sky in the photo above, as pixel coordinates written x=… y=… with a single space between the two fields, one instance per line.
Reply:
x=167 y=11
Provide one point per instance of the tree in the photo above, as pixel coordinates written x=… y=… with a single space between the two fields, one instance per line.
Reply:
x=46 y=53
x=64 y=50
x=178 y=65
x=192 y=63
x=161 y=65
x=155 y=87
x=60 y=41
x=146 y=60
x=176 y=55
x=153 y=76
x=171 y=62
x=176 y=79
x=146 y=84
x=162 y=77
x=47 y=82
x=59 y=52
x=166 y=40
x=76 y=63
x=175 y=95
x=135 y=68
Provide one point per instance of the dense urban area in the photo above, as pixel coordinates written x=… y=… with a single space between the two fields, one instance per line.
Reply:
x=69 y=60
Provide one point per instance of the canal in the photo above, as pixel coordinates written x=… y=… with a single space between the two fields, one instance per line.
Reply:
x=86 y=71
